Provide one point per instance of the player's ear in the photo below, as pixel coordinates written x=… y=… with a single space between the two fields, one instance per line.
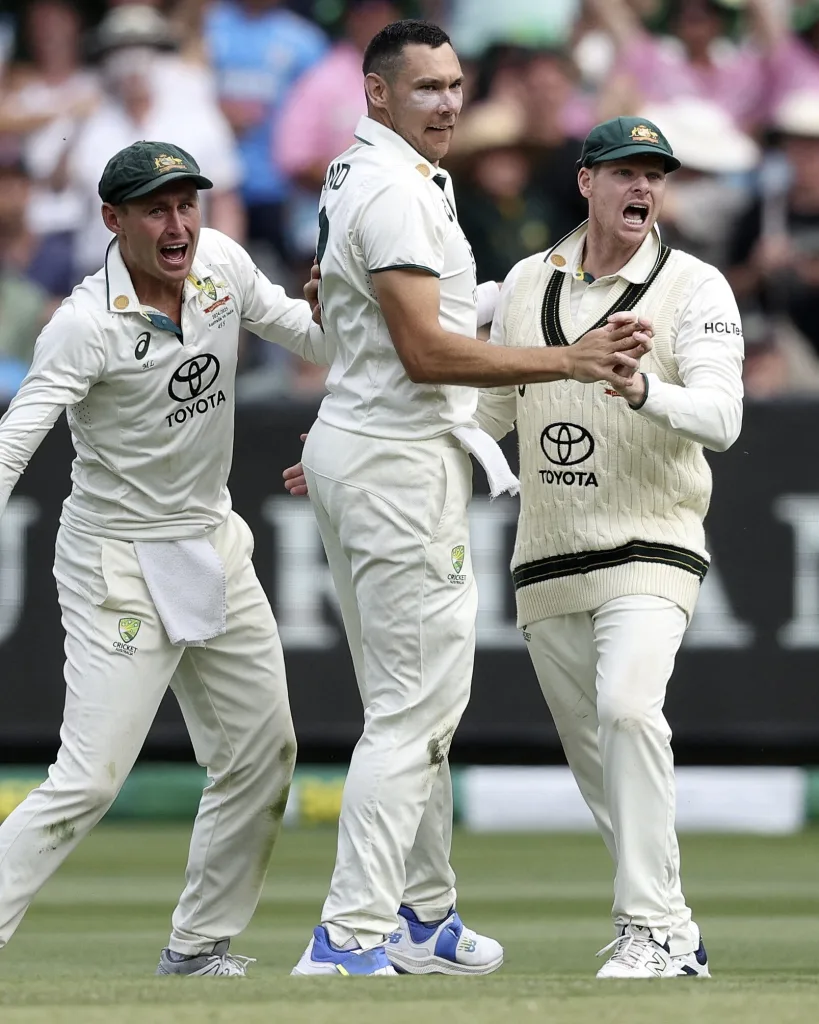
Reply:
x=377 y=90
x=112 y=217
x=584 y=176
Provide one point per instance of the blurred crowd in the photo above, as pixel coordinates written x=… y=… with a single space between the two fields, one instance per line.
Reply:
x=265 y=92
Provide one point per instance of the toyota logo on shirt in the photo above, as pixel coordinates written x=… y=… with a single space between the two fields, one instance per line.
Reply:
x=566 y=444
x=193 y=378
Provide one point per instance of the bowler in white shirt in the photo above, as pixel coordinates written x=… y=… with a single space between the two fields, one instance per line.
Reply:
x=389 y=477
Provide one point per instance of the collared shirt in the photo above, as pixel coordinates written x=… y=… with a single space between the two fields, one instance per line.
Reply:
x=384 y=207
x=706 y=338
x=150 y=411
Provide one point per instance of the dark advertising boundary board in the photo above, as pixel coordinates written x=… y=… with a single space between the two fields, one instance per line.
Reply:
x=747 y=679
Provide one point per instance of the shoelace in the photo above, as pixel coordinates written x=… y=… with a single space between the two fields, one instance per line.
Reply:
x=228 y=965
x=628 y=948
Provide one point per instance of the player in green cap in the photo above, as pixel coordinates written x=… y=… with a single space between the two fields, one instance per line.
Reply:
x=153 y=569
x=610 y=550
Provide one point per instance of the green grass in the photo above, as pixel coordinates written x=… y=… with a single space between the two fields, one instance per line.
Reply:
x=86 y=951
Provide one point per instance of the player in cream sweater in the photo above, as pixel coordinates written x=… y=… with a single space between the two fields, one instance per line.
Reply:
x=610 y=549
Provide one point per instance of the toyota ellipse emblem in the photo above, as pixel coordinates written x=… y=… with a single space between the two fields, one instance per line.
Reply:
x=566 y=444
x=193 y=378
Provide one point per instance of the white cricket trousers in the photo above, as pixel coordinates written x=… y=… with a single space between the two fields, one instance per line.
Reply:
x=234 y=701
x=604 y=675
x=393 y=519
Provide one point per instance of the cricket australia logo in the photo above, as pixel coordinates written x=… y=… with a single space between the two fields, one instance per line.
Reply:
x=458 y=554
x=458 y=557
x=128 y=628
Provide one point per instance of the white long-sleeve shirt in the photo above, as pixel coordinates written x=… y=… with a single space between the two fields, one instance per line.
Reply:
x=708 y=347
x=151 y=413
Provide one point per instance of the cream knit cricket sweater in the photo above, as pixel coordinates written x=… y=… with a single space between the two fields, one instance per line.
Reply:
x=611 y=504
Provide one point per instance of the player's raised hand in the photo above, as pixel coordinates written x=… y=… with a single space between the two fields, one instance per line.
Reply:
x=626 y=317
x=611 y=352
x=293 y=476
x=621 y=371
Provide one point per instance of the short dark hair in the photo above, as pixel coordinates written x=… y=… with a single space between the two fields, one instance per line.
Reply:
x=384 y=50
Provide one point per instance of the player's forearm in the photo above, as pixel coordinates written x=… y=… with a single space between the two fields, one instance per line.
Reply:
x=709 y=416
x=22 y=430
x=8 y=479
x=271 y=314
x=296 y=332
x=454 y=359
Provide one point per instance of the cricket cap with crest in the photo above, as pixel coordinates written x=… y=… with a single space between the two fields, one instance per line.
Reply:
x=144 y=167
x=623 y=137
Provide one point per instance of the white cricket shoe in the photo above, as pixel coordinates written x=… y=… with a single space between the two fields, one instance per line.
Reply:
x=443 y=948
x=692 y=965
x=218 y=963
x=637 y=955
x=322 y=957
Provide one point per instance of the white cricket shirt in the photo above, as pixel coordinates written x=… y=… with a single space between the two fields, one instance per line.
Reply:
x=384 y=207
x=150 y=413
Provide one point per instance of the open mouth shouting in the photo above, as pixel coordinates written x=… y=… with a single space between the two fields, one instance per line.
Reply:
x=636 y=214
x=174 y=255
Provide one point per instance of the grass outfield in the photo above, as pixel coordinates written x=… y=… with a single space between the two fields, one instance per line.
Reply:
x=86 y=951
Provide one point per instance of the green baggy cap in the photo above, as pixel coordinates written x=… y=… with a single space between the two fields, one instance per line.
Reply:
x=144 y=167
x=622 y=137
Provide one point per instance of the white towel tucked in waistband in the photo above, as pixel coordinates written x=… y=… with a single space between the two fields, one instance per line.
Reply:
x=187 y=583
x=488 y=452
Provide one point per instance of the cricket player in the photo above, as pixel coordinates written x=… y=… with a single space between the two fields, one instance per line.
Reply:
x=610 y=549
x=389 y=476
x=153 y=569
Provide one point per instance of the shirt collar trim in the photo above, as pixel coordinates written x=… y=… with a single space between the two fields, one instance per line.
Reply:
x=120 y=296
x=566 y=255
x=372 y=133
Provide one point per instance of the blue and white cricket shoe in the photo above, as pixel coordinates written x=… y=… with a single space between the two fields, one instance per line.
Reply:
x=443 y=948
x=322 y=958
x=692 y=965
